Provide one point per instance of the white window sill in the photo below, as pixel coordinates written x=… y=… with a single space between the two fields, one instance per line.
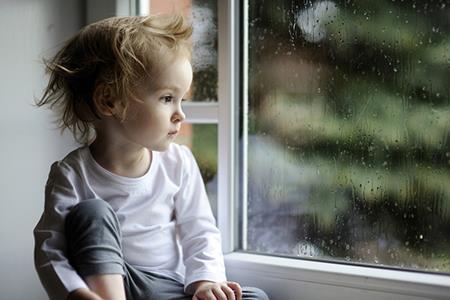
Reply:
x=285 y=278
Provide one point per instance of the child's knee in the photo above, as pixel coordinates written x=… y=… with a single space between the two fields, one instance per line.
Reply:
x=93 y=238
x=87 y=216
x=94 y=209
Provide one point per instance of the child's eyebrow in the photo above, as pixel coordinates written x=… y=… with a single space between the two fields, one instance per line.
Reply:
x=172 y=87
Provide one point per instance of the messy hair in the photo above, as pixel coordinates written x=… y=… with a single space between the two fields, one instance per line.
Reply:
x=121 y=52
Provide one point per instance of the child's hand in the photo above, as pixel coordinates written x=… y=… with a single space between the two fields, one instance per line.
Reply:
x=206 y=290
x=83 y=294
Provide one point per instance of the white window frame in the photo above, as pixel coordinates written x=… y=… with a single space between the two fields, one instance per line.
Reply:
x=282 y=278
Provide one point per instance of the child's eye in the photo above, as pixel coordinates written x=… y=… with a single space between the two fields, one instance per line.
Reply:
x=167 y=99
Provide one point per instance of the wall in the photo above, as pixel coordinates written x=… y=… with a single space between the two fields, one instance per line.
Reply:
x=29 y=31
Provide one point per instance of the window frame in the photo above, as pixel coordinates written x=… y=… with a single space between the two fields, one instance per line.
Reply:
x=280 y=277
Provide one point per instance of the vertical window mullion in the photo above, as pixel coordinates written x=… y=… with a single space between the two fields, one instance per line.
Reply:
x=226 y=127
x=244 y=142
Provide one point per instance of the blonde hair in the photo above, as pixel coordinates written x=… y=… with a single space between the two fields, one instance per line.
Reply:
x=121 y=52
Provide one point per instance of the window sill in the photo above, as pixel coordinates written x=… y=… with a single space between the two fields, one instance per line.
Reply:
x=284 y=278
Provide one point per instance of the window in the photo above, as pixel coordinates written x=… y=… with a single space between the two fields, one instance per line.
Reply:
x=346 y=132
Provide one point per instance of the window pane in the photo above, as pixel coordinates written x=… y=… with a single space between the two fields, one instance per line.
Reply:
x=203 y=14
x=349 y=131
x=202 y=140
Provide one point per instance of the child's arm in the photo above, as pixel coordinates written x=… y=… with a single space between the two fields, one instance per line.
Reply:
x=199 y=236
x=56 y=274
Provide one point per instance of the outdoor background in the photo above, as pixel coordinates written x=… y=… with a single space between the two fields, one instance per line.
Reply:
x=349 y=126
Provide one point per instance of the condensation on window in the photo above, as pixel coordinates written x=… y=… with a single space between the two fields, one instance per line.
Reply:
x=349 y=131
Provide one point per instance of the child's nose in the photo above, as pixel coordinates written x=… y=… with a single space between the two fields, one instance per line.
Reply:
x=179 y=115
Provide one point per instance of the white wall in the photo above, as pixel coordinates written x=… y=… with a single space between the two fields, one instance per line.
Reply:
x=29 y=31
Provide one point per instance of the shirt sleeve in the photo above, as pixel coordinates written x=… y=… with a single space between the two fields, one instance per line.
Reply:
x=56 y=274
x=199 y=237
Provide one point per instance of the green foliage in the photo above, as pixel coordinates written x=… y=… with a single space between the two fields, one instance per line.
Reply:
x=204 y=147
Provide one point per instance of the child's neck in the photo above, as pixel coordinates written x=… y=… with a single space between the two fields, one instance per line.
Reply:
x=123 y=160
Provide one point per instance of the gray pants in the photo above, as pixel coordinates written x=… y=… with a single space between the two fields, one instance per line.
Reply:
x=94 y=247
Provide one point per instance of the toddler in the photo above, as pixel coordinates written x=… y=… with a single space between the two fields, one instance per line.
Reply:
x=126 y=216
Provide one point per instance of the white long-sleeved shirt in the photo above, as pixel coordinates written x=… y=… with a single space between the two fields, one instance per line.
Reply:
x=165 y=217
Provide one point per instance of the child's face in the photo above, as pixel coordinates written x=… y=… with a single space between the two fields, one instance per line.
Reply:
x=155 y=122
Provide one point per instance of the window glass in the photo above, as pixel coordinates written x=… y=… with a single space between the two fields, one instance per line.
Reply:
x=349 y=131
x=202 y=140
x=203 y=15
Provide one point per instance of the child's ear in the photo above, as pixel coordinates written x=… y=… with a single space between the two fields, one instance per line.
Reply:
x=103 y=98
